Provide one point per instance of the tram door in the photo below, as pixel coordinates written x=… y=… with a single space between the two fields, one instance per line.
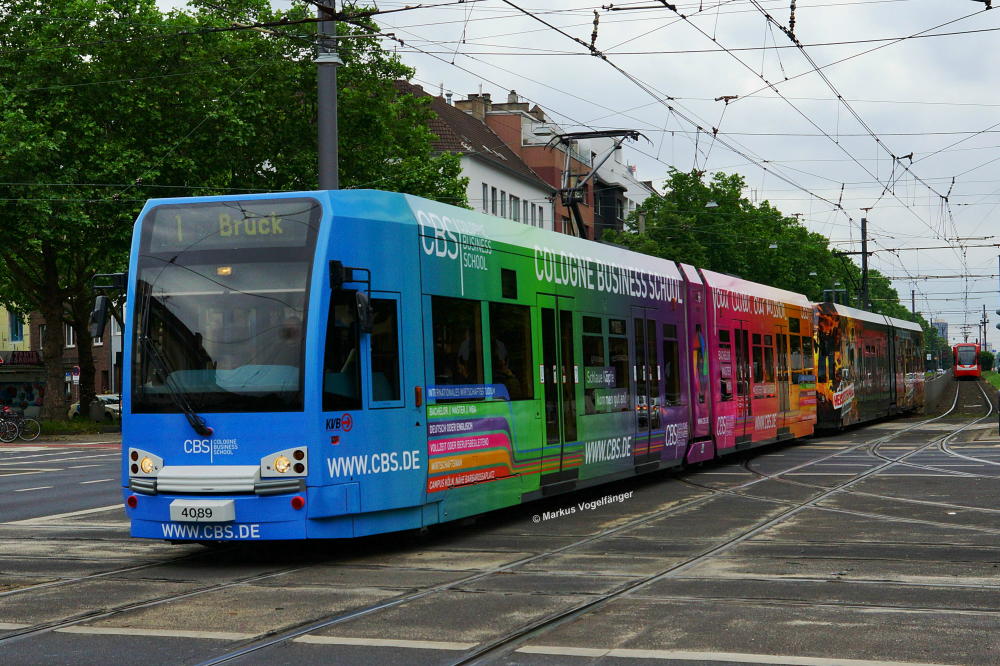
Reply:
x=744 y=391
x=647 y=374
x=559 y=374
x=784 y=387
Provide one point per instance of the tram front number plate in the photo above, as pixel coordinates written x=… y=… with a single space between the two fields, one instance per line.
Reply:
x=202 y=511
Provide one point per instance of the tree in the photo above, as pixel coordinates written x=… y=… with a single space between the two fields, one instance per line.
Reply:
x=986 y=359
x=106 y=103
x=711 y=225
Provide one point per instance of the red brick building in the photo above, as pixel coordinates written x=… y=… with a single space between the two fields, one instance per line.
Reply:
x=528 y=131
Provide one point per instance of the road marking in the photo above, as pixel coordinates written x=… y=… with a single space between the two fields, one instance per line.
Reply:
x=169 y=633
x=733 y=657
x=7 y=626
x=57 y=516
x=83 y=483
x=26 y=490
x=384 y=642
x=23 y=472
x=81 y=466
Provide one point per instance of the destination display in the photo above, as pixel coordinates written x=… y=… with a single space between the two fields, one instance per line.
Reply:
x=273 y=223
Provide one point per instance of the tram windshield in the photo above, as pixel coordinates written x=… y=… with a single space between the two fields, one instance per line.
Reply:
x=967 y=356
x=220 y=306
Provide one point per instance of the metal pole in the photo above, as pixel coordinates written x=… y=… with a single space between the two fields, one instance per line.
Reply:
x=327 y=61
x=913 y=301
x=864 y=264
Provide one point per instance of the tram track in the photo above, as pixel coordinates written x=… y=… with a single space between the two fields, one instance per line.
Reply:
x=307 y=628
x=511 y=641
x=942 y=444
x=284 y=635
x=315 y=625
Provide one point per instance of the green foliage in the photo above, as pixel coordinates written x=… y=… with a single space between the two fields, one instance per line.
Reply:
x=107 y=103
x=735 y=236
x=986 y=359
x=993 y=378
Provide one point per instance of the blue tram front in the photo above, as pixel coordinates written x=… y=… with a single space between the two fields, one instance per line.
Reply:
x=243 y=320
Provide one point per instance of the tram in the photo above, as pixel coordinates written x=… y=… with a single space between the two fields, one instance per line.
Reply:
x=344 y=363
x=869 y=366
x=966 y=361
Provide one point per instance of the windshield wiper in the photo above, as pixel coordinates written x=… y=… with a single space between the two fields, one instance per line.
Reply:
x=176 y=393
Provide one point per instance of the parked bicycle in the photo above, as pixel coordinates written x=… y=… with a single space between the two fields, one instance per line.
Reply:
x=15 y=424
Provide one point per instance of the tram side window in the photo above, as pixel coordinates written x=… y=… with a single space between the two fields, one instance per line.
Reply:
x=385 y=351
x=743 y=362
x=825 y=358
x=671 y=366
x=458 y=341
x=796 y=344
x=510 y=332
x=596 y=372
x=758 y=360
x=618 y=350
x=769 y=359
x=807 y=355
x=726 y=366
x=341 y=368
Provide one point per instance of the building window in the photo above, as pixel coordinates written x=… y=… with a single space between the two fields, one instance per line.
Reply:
x=503 y=204
x=16 y=329
x=534 y=215
x=70 y=335
x=515 y=208
x=541 y=217
x=524 y=216
x=493 y=200
x=486 y=198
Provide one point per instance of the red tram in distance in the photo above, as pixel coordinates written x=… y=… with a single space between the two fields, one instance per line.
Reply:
x=966 y=357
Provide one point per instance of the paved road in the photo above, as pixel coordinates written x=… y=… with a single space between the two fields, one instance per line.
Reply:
x=50 y=477
x=768 y=560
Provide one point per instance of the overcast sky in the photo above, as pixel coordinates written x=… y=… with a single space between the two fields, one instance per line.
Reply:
x=935 y=96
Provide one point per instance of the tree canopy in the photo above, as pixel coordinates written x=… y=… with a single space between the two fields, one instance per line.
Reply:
x=712 y=225
x=107 y=103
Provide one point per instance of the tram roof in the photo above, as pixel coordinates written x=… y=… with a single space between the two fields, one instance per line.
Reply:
x=864 y=315
x=530 y=238
x=741 y=286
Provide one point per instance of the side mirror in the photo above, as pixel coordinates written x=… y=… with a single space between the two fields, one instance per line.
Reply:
x=99 y=317
x=337 y=275
x=366 y=315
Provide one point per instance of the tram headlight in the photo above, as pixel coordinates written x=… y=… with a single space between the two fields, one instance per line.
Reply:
x=143 y=463
x=287 y=463
x=281 y=464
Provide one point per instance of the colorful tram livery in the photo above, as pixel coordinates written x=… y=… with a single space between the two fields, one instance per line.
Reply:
x=338 y=364
x=869 y=366
x=967 y=360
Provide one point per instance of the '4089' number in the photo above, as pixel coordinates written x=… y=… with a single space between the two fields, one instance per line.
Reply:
x=196 y=512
